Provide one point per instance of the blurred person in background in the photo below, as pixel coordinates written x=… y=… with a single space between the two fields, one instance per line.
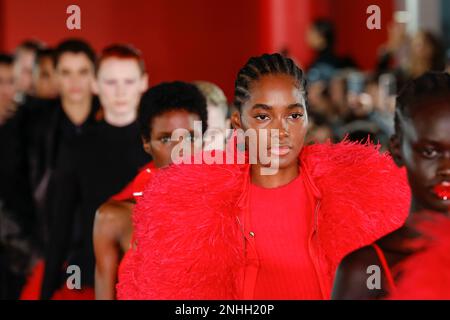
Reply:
x=427 y=54
x=7 y=88
x=413 y=260
x=16 y=208
x=163 y=109
x=395 y=54
x=322 y=113
x=100 y=164
x=364 y=118
x=51 y=128
x=24 y=57
x=44 y=78
x=321 y=37
x=408 y=57
x=218 y=115
x=326 y=65
x=53 y=125
x=380 y=92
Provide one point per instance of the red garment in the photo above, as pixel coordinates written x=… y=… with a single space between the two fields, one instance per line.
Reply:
x=190 y=223
x=386 y=269
x=280 y=223
x=32 y=288
x=425 y=275
x=135 y=187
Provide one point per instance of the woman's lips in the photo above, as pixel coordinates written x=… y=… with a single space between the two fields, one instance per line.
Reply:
x=280 y=151
x=442 y=190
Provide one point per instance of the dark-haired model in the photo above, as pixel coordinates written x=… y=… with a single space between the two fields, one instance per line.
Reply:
x=226 y=231
x=98 y=165
x=413 y=260
x=163 y=109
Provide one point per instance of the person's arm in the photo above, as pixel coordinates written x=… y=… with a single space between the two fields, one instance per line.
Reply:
x=112 y=229
x=353 y=276
x=62 y=202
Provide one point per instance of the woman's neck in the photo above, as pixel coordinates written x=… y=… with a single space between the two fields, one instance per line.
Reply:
x=280 y=178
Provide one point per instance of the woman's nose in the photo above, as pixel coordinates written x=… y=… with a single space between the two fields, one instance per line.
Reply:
x=282 y=127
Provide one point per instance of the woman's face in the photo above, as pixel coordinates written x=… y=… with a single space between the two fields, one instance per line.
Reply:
x=160 y=145
x=424 y=150
x=277 y=103
x=120 y=84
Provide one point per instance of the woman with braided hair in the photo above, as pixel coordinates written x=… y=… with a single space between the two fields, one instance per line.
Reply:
x=231 y=231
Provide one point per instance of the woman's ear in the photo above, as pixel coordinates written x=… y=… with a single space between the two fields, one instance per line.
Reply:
x=147 y=146
x=395 y=149
x=236 y=120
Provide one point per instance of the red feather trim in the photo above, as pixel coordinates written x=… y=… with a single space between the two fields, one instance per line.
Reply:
x=189 y=246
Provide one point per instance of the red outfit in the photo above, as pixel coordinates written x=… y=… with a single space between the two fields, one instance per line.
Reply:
x=280 y=220
x=387 y=270
x=135 y=187
x=425 y=275
x=190 y=223
x=133 y=192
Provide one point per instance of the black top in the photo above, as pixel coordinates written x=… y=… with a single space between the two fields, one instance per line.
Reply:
x=15 y=192
x=16 y=209
x=48 y=132
x=101 y=163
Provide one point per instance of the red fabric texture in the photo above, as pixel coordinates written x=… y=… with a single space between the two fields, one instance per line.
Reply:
x=190 y=237
x=280 y=224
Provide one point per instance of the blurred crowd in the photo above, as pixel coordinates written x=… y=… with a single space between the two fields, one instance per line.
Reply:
x=348 y=102
x=51 y=99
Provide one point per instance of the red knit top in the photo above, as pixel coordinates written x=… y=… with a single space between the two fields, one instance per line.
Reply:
x=280 y=221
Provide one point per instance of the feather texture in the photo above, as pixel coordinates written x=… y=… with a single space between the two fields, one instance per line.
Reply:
x=189 y=246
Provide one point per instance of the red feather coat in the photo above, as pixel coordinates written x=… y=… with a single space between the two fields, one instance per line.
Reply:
x=189 y=226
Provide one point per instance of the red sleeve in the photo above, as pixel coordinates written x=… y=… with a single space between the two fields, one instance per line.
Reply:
x=139 y=182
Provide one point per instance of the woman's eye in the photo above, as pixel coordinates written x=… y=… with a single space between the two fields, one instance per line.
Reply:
x=429 y=153
x=296 y=116
x=262 y=117
x=165 y=139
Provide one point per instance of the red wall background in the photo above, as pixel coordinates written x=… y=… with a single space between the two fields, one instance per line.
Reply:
x=289 y=21
x=198 y=39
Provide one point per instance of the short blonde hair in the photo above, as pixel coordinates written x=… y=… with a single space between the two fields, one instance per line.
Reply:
x=213 y=94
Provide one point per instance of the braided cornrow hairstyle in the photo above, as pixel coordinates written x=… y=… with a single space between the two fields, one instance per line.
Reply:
x=267 y=64
x=427 y=90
